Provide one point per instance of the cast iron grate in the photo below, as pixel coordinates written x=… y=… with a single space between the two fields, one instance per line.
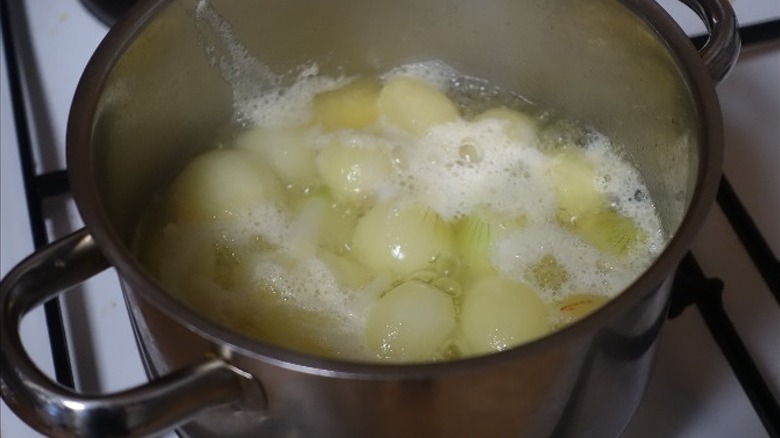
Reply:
x=691 y=286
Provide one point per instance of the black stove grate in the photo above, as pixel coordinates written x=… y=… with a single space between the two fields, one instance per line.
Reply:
x=691 y=286
x=37 y=188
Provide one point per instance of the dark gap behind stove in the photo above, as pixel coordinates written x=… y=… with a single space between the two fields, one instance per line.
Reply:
x=108 y=11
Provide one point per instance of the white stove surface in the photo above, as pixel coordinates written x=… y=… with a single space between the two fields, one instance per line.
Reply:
x=692 y=393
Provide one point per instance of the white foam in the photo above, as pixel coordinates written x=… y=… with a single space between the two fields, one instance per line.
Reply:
x=453 y=169
x=436 y=73
x=622 y=184
x=286 y=106
x=495 y=172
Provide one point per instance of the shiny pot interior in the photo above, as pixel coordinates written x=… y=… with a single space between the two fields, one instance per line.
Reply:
x=154 y=95
x=593 y=61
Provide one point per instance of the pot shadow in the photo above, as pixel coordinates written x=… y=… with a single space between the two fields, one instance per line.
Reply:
x=612 y=370
x=108 y=11
x=681 y=382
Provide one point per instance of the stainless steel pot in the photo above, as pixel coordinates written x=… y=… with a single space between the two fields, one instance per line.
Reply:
x=154 y=94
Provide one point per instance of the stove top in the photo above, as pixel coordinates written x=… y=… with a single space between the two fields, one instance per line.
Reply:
x=693 y=391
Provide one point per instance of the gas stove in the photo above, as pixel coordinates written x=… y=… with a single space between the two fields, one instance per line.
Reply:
x=85 y=338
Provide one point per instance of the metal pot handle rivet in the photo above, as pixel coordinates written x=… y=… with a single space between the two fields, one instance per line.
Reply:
x=58 y=411
x=722 y=47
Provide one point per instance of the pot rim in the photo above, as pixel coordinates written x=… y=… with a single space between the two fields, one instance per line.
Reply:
x=81 y=163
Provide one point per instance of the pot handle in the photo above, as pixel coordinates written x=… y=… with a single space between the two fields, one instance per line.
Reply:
x=721 y=50
x=54 y=410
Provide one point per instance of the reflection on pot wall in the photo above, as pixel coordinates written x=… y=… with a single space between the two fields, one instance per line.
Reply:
x=626 y=83
x=560 y=391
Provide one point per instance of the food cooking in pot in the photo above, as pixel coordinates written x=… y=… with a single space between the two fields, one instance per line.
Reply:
x=415 y=216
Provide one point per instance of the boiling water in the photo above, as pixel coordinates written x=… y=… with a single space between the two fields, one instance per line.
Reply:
x=297 y=263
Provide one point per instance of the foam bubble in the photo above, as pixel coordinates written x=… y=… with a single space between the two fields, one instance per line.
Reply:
x=309 y=285
x=453 y=169
x=589 y=270
x=286 y=106
x=433 y=72
x=498 y=173
x=622 y=184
